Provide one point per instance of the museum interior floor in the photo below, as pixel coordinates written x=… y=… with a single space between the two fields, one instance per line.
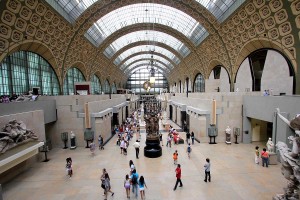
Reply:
x=234 y=174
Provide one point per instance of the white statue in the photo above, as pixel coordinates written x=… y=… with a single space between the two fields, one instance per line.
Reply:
x=228 y=135
x=228 y=130
x=290 y=160
x=270 y=146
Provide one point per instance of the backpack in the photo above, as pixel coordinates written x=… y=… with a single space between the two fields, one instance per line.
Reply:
x=134 y=179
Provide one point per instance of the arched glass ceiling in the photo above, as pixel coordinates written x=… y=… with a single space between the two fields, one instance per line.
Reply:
x=146 y=35
x=146 y=56
x=144 y=69
x=145 y=63
x=221 y=9
x=72 y=9
x=146 y=13
x=142 y=48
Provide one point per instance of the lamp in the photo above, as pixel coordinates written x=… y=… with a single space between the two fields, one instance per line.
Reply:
x=152 y=80
x=152 y=70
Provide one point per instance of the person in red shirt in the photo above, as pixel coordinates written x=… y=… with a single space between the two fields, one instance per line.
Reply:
x=265 y=157
x=178 y=177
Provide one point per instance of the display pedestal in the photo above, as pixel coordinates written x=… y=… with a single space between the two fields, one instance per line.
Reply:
x=73 y=143
x=273 y=159
x=228 y=138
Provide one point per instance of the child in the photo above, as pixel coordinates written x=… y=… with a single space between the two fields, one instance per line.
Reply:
x=256 y=155
x=69 y=167
x=175 y=157
x=127 y=185
x=189 y=150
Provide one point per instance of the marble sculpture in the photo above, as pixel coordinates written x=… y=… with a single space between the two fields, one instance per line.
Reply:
x=290 y=161
x=14 y=133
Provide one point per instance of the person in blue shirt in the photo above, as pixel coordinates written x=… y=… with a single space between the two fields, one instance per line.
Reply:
x=134 y=182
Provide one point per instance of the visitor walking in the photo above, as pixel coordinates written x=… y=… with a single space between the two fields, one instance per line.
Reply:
x=131 y=165
x=188 y=137
x=100 y=141
x=161 y=139
x=142 y=185
x=107 y=186
x=178 y=177
x=175 y=157
x=136 y=145
x=102 y=178
x=256 y=155
x=193 y=137
x=127 y=185
x=69 y=167
x=134 y=182
x=122 y=144
x=92 y=147
x=169 y=140
x=207 y=170
x=189 y=150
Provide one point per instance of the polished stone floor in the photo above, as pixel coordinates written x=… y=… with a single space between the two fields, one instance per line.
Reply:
x=234 y=174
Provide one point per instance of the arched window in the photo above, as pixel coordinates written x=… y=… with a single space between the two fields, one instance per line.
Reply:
x=141 y=75
x=96 y=85
x=199 y=84
x=114 y=88
x=73 y=75
x=22 y=71
x=106 y=88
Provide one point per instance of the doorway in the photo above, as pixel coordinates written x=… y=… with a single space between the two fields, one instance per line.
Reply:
x=171 y=112
x=261 y=130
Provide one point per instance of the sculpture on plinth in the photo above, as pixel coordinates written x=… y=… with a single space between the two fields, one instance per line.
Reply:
x=270 y=146
x=290 y=160
x=152 y=148
x=228 y=135
x=14 y=133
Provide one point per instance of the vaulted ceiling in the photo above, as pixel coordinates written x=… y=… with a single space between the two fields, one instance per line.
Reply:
x=134 y=34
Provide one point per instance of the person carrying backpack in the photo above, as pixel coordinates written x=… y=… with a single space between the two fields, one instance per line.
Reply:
x=134 y=182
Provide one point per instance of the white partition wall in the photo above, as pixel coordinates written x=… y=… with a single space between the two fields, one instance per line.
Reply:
x=243 y=81
x=224 y=81
x=279 y=82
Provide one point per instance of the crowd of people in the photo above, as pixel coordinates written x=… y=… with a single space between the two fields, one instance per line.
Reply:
x=133 y=182
x=29 y=96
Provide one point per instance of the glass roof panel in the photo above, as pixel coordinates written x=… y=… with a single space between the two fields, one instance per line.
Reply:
x=221 y=9
x=142 y=48
x=146 y=13
x=70 y=9
x=146 y=35
x=147 y=56
x=145 y=63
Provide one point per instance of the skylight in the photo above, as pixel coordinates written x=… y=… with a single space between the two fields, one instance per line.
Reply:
x=144 y=63
x=142 y=48
x=221 y=9
x=146 y=13
x=146 y=56
x=151 y=36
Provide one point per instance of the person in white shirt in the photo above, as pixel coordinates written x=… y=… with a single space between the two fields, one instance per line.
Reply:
x=136 y=145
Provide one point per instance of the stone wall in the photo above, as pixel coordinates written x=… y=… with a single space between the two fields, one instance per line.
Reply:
x=70 y=111
x=229 y=103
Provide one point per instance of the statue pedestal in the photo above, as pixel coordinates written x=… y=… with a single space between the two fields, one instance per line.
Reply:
x=152 y=149
x=273 y=159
